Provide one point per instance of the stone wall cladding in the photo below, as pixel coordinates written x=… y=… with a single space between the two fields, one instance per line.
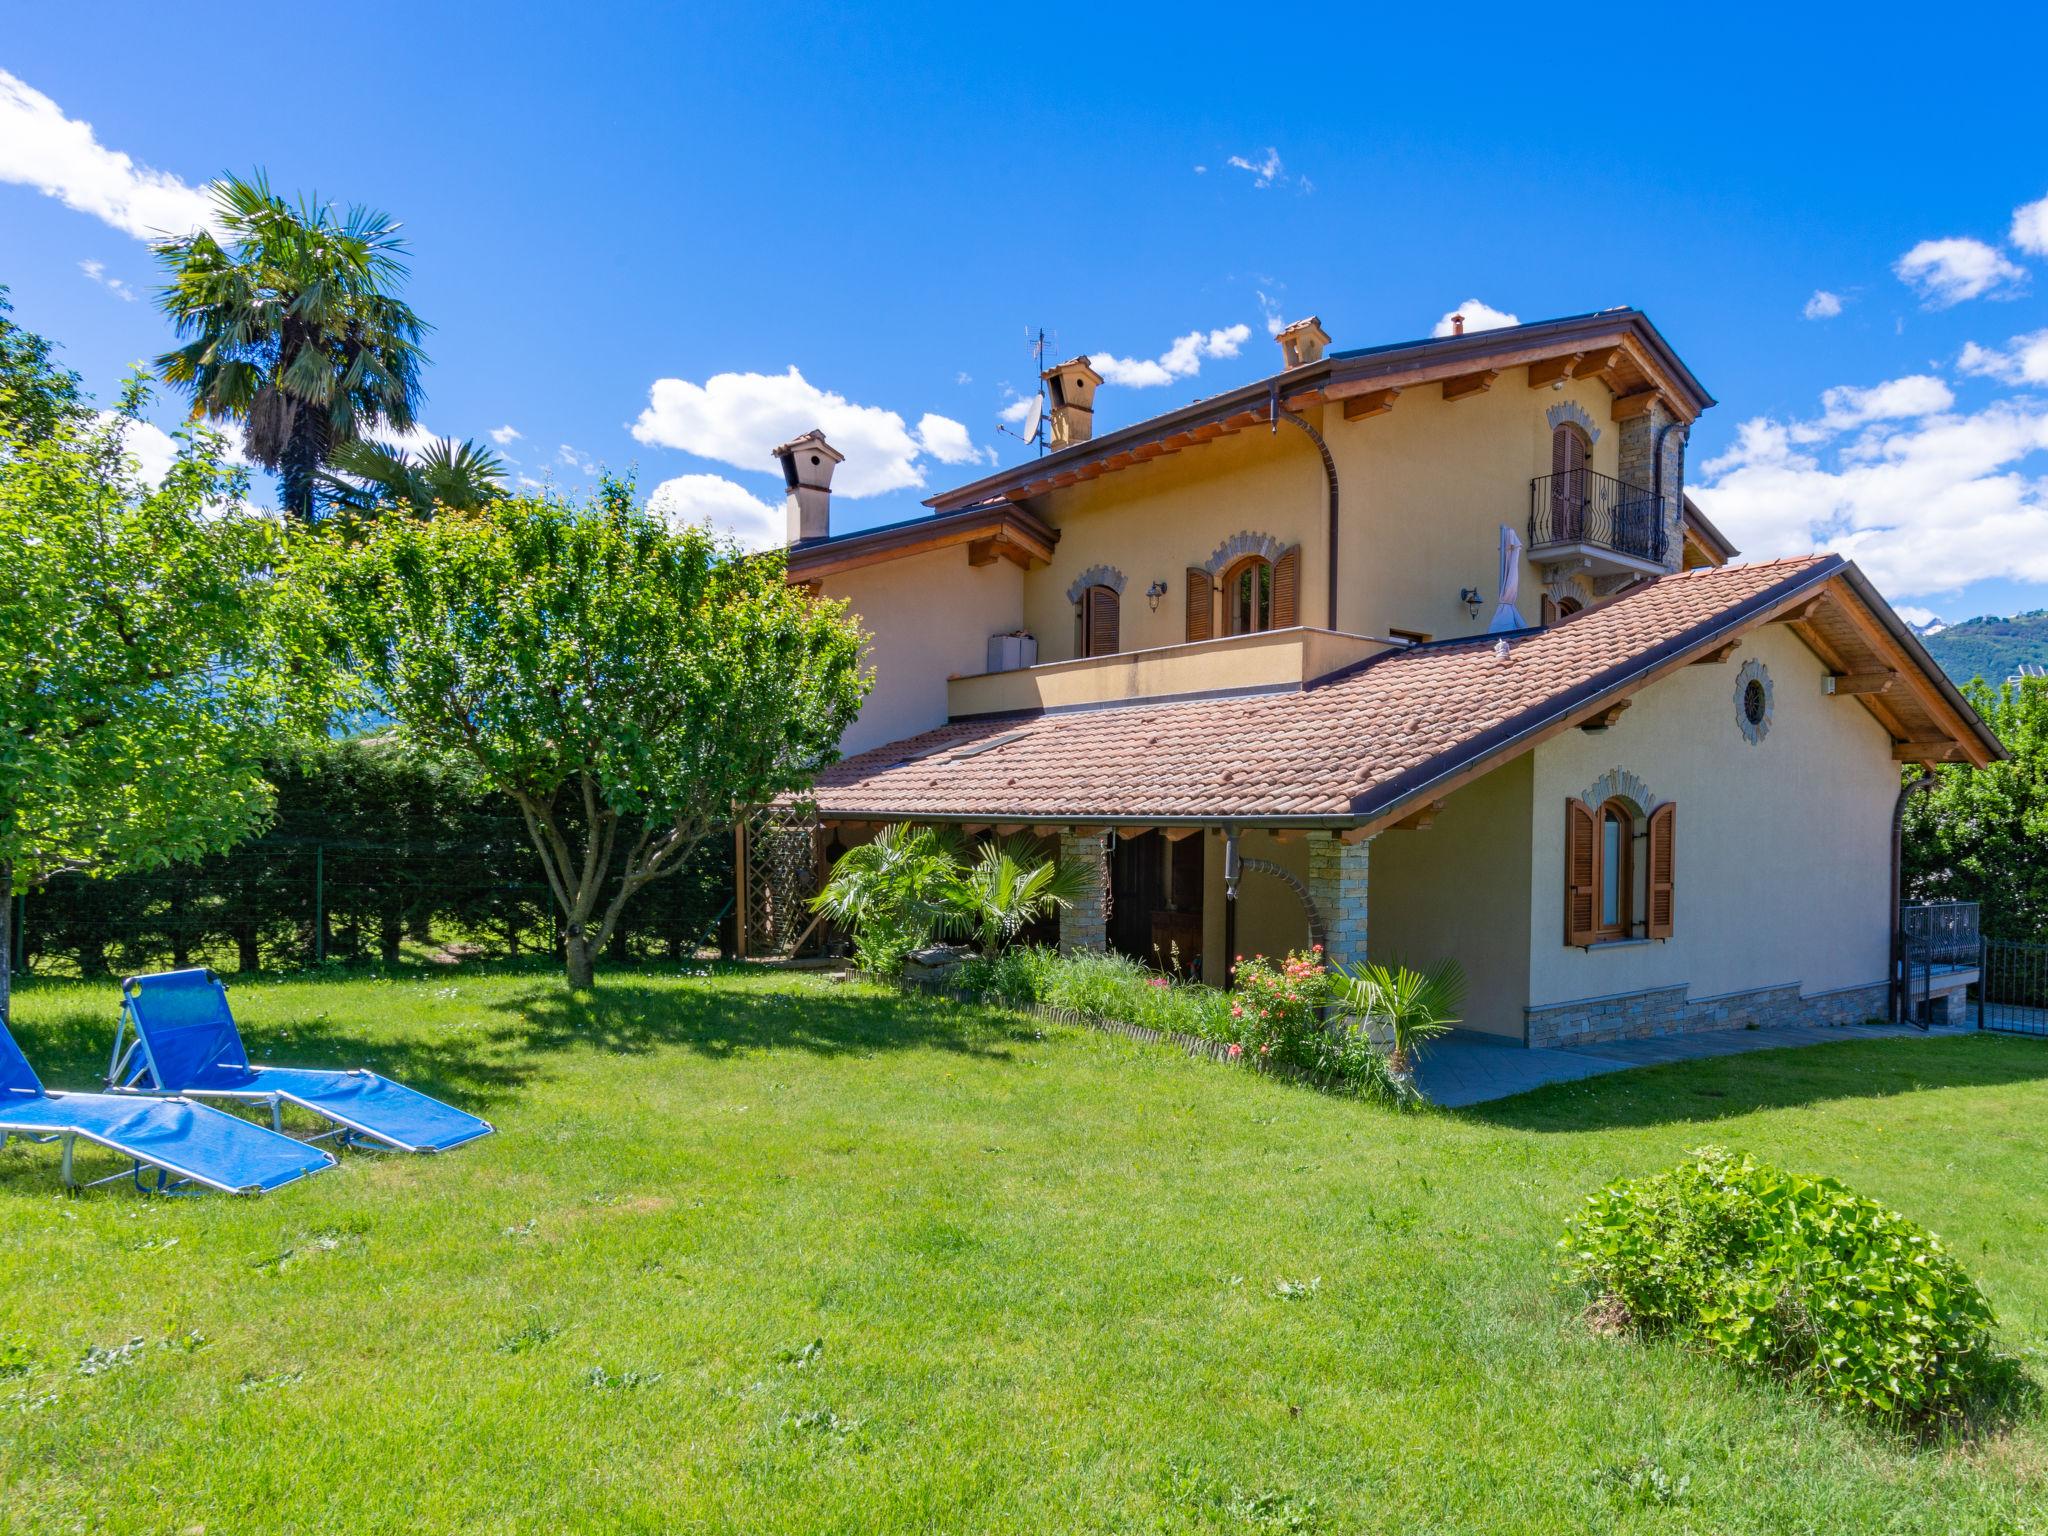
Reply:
x=1085 y=924
x=1668 y=1011
x=1637 y=453
x=1337 y=875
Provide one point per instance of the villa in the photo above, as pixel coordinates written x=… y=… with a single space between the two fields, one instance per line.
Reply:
x=1412 y=651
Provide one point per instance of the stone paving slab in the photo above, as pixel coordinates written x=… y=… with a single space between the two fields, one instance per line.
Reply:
x=1466 y=1067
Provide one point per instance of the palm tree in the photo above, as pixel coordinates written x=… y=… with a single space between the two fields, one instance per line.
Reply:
x=368 y=477
x=893 y=892
x=294 y=330
x=1414 y=1005
x=1008 y=888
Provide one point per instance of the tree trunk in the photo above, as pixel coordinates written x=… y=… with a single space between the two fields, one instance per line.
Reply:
x=582 y=963
x=248 y=956
x=6 y=940
x=390 y=934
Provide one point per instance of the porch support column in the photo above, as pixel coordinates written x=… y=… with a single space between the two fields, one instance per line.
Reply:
x=1337 y=885
x=1085 y=924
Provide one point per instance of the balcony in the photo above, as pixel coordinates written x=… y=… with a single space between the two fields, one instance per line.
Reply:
x=1596 y=522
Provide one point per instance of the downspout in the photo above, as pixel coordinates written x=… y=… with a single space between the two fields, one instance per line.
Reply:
x=1280 y=413
x=1926 y=781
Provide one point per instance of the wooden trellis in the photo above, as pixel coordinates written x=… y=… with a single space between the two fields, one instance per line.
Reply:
x=776 y=855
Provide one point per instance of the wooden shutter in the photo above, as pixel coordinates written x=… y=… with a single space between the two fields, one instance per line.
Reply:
x=1581 y=873
x=1287 y=590
x=1663 y=834
x=1101 y=607
x=1201 y=603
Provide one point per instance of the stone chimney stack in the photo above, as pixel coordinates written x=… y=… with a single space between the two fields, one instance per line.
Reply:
x=807 y=470
x=1303 y=342
x=1070 y=388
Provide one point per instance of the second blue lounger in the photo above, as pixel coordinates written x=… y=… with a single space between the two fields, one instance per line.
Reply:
x=178 y=1035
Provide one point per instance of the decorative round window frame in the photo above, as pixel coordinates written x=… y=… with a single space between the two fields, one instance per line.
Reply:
x=1754 y=698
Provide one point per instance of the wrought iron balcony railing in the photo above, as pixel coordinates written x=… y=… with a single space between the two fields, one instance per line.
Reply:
x=1581 y=507
x=1941 y=932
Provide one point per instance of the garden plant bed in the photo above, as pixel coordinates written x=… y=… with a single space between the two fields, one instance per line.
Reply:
x=755 y=1250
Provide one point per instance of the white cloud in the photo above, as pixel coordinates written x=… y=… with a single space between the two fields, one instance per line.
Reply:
x=1276 y=318
x=1946 y=272
x=2024 y=360
x=1917 y=394
x=963 y=377
x=152 y=448
x=726 y=506
x=414 y=439
x=1925 y=498
x=736 y=418
x=506 y=435
x=1015 y=412
x=1823 y=305
x=1266 y=170
x=97 y=271
x=575 y=458
x=2030 y=227
x=947 y=440
x=1181 y=360
x=59 y=156
x=1478 y=317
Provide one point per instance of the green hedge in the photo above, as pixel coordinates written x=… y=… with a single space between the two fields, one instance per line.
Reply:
x=1793 y=1275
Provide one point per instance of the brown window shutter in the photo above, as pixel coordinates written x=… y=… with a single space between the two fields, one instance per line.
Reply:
x=1581 y=873
x=1287 y=589
x=1201 y=603
x=1663 y=835
x=1103 y=621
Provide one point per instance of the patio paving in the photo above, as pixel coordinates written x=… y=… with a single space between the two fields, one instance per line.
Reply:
x=1465 y=1067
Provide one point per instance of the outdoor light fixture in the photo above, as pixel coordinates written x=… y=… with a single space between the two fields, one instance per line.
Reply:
x=1470 y=597
x=1155 y=592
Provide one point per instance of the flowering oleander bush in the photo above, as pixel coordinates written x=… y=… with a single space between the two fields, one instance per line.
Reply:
x=1795 y=1275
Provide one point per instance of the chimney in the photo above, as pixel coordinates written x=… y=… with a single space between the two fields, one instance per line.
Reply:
x=1457 y=325
x=1302 y=342
x=1071 y=389
x=807 y=470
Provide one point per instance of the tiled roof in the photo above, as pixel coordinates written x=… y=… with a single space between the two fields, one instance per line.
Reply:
x=1345 y=749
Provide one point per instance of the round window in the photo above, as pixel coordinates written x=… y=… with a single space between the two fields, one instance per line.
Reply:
x=1753 y=701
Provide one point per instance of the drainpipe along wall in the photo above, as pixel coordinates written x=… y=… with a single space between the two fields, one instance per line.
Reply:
x=1280 y=413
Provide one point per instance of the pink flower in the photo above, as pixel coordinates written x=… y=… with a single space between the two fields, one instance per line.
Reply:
x=1236 y=1051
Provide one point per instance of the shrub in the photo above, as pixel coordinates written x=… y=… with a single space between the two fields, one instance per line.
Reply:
x=1794 y=1275
x=1103 y=985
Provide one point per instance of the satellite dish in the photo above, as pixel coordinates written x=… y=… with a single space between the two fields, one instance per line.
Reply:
x=1030 y=432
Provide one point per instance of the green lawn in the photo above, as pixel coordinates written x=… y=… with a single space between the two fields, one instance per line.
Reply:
x=1058 y=1282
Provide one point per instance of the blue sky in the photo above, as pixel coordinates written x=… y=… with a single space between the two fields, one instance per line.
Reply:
x=628 y=229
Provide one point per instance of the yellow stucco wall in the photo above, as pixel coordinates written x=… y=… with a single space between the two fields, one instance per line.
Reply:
x=1783 y=856
x=927 y=617
x=1460 y=890
x=1270 y=919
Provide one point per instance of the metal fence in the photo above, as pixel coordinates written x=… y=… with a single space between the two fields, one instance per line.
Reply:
x=2012 y=988
x=1580 y=507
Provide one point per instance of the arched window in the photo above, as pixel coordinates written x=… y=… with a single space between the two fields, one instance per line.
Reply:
x=1097 y=621
x=1607 y=896
x=1248 y=596
x=1571 y=456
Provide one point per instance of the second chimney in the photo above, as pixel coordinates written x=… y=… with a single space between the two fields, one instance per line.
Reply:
x=1070 y=387
x=807 y=463
x=1302 y=342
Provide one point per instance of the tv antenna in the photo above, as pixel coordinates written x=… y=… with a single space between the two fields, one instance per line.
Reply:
x=1034 y=418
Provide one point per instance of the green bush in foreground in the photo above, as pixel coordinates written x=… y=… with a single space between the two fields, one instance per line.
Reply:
x=1794 y=1275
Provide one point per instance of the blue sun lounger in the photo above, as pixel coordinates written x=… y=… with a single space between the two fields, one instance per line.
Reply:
x=177 y=1035
x=185 y=1143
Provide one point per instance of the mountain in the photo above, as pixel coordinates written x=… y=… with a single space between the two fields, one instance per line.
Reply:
x=1990 y=648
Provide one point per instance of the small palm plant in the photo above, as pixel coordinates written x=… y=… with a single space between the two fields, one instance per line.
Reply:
x=368 y=477
x=1007 y=889
x=1415 y=1006
x=894 y=892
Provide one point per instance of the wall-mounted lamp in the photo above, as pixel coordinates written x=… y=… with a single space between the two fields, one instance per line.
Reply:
x=1155 y=592
x=1470 y=597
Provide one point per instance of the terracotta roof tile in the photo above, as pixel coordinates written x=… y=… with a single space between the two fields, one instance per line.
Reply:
x=1346 y=748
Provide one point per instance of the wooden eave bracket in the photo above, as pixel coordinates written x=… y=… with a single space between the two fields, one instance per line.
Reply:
x=1466 y=385
x=1553 y=370
x=1418 y=820
x=1634 y=404
x=985 y=551
x=1374 y=403
x=1848 y=684
x=1719 y=653
x=1800 y=612
x=1926 y=752
x=1606 y=716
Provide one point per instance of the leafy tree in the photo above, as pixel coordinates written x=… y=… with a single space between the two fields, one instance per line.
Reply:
x=295 y=331
x=141 y=669
x=368 y=477
x=1981 y=834
x=36 y=396
x=632 y=689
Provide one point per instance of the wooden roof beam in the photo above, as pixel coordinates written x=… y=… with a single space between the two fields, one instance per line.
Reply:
x=1849 y=684
x=1635 y=404
x=1929 y=752
x=1419 y=820
x=1719 y=653
x=1466 y=385
x=1593 y=364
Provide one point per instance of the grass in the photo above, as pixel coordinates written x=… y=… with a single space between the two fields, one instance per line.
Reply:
x=758 y=1252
